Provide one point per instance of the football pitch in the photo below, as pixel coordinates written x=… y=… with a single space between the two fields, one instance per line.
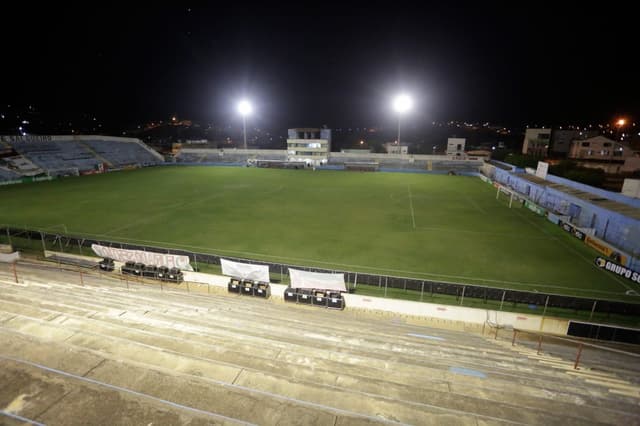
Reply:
x=437 y=227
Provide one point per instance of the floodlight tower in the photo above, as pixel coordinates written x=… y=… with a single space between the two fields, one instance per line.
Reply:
x=245 y=109
x=401 y=104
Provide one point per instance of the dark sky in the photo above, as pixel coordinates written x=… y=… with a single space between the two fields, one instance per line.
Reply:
x=335 y=65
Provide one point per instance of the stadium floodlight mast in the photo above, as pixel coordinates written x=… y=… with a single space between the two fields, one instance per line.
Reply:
x=402 y=104
x=244 y=108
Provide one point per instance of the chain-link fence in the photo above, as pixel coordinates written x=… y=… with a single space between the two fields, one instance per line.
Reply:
x=383 y=285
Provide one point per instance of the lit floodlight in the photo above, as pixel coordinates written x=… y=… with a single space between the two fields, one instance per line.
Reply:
x=402 y=103
x=244 y=107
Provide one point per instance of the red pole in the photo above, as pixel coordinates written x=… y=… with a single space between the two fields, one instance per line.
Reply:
x=513 y=341
x=496 y=337
x=81 y=279
x=575 y=366
x=15 y=273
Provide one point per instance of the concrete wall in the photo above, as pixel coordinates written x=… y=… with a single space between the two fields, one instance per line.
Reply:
x=475 y=316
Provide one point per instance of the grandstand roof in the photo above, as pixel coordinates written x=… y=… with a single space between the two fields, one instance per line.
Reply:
x=594 y=199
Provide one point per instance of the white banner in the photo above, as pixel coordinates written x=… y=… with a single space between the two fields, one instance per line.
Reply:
x=146 y=257
x=542 y=170
x=245 y=271
x=10 y=257
x=318 y=280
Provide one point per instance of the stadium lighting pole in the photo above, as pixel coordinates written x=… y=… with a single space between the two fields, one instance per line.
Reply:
x=244 y=108
x=401 y=104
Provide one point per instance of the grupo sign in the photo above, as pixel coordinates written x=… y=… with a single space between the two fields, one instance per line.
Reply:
x=146 y=257
x=617 y=269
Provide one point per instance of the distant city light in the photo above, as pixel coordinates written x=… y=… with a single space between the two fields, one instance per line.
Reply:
x=402 y=103
x=621 y=122
x=361 y=142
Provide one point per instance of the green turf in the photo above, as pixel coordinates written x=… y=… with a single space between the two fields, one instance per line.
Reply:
x=447 y=228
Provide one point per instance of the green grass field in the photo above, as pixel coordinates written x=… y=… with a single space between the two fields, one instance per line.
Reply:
x=447 y=228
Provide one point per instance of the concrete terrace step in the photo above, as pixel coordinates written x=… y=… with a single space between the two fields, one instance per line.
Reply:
x=125 y=314
x=63 y=335
x=367 y=368
x=172 y=325
x=440 y=398
x=229 y=398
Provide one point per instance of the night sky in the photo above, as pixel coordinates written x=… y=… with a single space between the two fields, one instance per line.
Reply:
x=335 y=65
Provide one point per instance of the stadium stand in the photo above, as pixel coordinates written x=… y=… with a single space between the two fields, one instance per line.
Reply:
x=385 y=162
x=612 y=217
x=60 y=155
x=198 y=357
x=22 y=166
x=55 y=155
x=6 y=174
x=125 y=152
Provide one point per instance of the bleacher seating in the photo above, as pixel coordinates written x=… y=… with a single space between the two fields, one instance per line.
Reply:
x=76 y=155
x=52 y=155
x=6 y=174
x=22 y=166
x=121 y=154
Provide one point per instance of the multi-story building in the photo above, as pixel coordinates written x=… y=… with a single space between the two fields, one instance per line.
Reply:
x=394 y=148
x=561 y=139
x=455 y=146
x=604 y=153
x=599 y=148
x=536 y=142
x=310 y=145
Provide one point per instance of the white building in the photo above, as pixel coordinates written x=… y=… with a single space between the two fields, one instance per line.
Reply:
x=394 y=148
x=310 y=145
x=455 y=146
x=536 y=142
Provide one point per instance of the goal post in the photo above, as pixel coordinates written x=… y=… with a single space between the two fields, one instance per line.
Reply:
x=506 y=191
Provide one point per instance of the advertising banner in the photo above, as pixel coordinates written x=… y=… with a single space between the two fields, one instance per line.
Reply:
x=605 y=249
x=534 y=208
x=572 y=230
x=246 y=271
x=146 y=257
x=617 y=269
x=542 y=169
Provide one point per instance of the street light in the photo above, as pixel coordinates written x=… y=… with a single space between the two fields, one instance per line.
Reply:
x=244 y=108
x=620 y=123
x=401 y=104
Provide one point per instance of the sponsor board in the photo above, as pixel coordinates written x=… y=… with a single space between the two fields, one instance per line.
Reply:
x=146 y=257
x=605 y=249
x=27 y=138
x=542 y=169
x=617 y=269
x=486 y=179
x=534 y=208
x=572 y=230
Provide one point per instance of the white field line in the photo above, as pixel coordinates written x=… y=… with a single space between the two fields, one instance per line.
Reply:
x=413 y=216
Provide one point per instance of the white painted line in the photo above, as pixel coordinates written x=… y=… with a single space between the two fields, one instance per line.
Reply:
x=22 y=419
x=413 y=216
